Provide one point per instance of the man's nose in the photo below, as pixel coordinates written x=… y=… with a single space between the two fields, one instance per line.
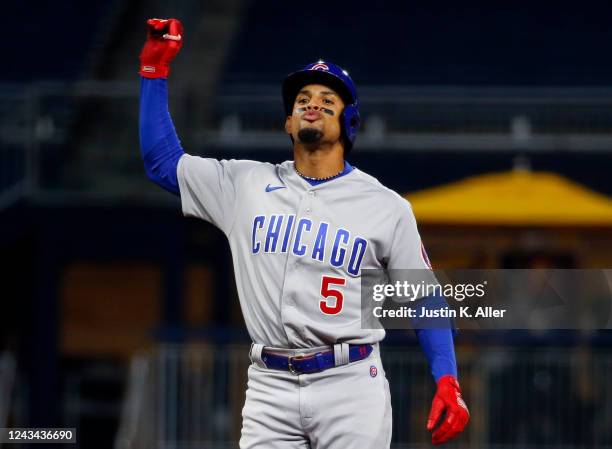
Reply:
x=313 y=106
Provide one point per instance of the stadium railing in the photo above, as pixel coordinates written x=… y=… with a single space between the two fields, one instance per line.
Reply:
x=79 y=141
x=191 y=396
x=16 y=138
x=7 y=381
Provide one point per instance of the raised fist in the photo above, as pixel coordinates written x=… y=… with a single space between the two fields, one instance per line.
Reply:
x=164 y=41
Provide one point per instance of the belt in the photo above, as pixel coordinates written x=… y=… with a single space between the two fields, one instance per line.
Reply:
x=312 y=363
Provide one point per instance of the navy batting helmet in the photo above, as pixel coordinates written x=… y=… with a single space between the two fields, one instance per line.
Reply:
x=331 y=75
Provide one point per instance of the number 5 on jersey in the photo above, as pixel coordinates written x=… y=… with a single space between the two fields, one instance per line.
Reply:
x=333 y=299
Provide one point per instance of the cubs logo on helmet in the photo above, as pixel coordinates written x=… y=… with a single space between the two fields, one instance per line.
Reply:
x=319 y=66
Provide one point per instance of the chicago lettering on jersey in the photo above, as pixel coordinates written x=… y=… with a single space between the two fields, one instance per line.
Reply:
x=282 y=233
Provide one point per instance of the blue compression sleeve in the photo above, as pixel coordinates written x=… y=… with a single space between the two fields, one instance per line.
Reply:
x=159 y=144
x=437 y=344
x=435 y=335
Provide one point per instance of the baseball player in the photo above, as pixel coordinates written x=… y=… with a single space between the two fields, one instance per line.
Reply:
x=300 y=233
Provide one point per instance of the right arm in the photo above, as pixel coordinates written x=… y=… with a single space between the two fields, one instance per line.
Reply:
x=206 y=186
x=159 y=144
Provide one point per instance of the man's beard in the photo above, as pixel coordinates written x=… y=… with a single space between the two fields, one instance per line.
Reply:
x=309 y=135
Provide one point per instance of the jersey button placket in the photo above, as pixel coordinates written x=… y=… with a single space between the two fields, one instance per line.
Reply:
x=311 y=195
x=292 y=274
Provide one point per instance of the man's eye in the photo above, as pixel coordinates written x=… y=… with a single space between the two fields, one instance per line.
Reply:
x=302 y=101
x=328 y=101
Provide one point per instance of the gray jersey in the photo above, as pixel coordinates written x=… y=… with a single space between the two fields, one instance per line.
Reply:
x=298 y=250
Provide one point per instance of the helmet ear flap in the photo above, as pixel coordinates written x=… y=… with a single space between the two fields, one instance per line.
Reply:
x=350 y=121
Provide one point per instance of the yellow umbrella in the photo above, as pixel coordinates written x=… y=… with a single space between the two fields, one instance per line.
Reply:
x=514 y=198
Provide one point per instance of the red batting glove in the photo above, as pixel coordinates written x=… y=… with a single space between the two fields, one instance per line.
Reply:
x=448 y=398
x=164 y=40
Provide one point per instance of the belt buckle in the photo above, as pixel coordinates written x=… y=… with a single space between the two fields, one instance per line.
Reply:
x=290 y=366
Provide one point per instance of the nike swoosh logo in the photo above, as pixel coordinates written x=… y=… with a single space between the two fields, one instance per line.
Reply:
x=272 y=189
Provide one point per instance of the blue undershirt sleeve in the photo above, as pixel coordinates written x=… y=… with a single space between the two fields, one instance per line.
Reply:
x=435 y=336
x=438 y=346
x=159 y=143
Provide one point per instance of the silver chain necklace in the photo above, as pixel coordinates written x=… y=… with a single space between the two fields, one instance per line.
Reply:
x=312 y=178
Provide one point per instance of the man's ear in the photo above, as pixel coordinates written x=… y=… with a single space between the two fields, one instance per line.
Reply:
x=288 y=125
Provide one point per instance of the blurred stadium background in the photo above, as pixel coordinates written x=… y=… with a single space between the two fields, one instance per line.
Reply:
x=494 y=120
